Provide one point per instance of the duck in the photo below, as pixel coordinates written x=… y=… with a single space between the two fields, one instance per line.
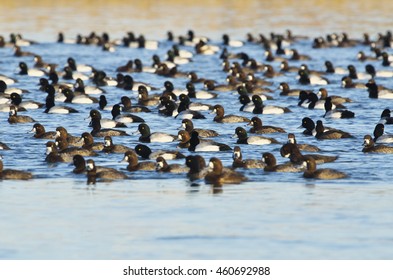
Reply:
x=12 y=174
x=183 y=110
x=148 y=137
x=146 y=153
x=335 y=99
x=231 y=43
x=64 y=148
x=15 y=118
x=196 y=145
x=354 y=75
x=144 y=99
x=211 y=85
x=170 y=89
x=287 y=91
x=133 y=164
x=336 y=113
x=193 y=76
x=89 y=144
x=105 y=123
x=139 y=67
x=295 y=56
x=53 y=155
x=321 y=133
x=80 y=87
x=217 y=175
x=128 y=107
x=163 y=166
x=385 y=117
x=39 y=62
x=302 y=147
x=16 y=100
x=103 y=103
x=24 y=70
x=192 y=93
x=239 y=162
x=72 y=140
x=71 y=97
x=78 y=67
x=50 y=106
x=130 y=84
x=259 y=108
x=271 y=164
x=309 y=126
x=379 y=136
x=184 y=137
x=8 y=80
x=270 y=73
x=98 y=131
x=107 y=175
x=326 y=173
x=330 y=69
x=259 y=128
x=284 y=67
x=197 y=165
x=188 y=126
x=5 y=91
x=195 y=106
x=292 y=152
x=80 y=166
x=69 y=74
x=128 y=67
x=347 y=82
x=361 y=56
x=222 y=118
x=124 y=118
x=370 y=69
x=109 y=147
x=375 y=92
x=243 y=138
x=40 y=133
x=100 y=79
x=307 y=79
x=370 y=147
x=19 y=53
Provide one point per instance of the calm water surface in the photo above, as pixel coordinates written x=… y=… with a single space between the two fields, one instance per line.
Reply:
x=157 y=216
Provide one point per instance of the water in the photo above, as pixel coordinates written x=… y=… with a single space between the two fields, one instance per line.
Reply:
x=160 y=216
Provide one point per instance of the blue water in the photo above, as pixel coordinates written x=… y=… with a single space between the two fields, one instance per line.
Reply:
x=161 y=216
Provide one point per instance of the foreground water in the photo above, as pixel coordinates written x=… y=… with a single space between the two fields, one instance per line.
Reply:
x=159 y=216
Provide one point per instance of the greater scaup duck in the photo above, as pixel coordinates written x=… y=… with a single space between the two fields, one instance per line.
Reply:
x=231 y=43
x=12 y=174
x=50 y=106
x=109 y=147
x=243 y=138
x=89 y=144
x=385 y=117
x=80 y=165
x=103 y=103
x=16 y=100
x=53 y=155
x=287 y=91
x=239 y=162
x=6 y=91
x=64 y=148
x=148 y=137
x=19 y=53
x=100 y=79
x=39 y=62
x=124 y=118
x=354 y=75
x=217 y=175
x=15 y=118
x=146 y=153
x=258 y=127
x=79 y=86
x=334 y=98
x=375 y=92
x=195 y=106
x=97 y=131
x=379 y=137
x=163 y=166
x=40 y=133
x=78 y=67
x=24 y=70
x=128 y=107
x=193 y=76
x=259 y=108
x=144 y=99
x=196 y=145
x=72 y=140
x=183 y=110
x=222 y=118
x=321 y=132
x=336 y=113
x=295 y=56
x=197 y=166
x=8 y=80
x=212 y=86
x=269 y=72
x=193 y=93
x=188 y=126
x=271 y=164
x=69 y=74
x=326 y=173
x=81 y=98
x=302 y=147
x=105 y=175
x=134 y=165
x=370 y=147
x=284 y=67
x=105 y=123
x=347 y=82
x=330 y=69
x=370 y=69
x=306 y=79
x=292 y=152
